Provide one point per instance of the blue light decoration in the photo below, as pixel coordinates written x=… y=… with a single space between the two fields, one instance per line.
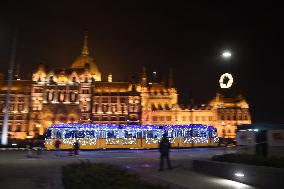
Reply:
x=87 y=134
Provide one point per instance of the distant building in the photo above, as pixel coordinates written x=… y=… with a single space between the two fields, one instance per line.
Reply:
x=78 y=94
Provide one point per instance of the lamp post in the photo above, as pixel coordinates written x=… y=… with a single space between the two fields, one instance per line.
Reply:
x=4 y=136
x=226 y=55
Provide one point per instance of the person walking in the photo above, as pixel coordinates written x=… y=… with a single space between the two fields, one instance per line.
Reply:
x=164 y=147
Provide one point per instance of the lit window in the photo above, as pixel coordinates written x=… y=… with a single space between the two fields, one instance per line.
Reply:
x=169 y=118
x=154 y=118
x=196 y=118
x=228 y=117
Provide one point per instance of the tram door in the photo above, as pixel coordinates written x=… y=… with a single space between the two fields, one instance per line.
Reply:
x=179 y=137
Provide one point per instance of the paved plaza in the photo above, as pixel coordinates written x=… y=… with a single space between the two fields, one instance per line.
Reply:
x=44 y=171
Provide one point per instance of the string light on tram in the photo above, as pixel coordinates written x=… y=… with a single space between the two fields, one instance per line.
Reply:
x=88 y=134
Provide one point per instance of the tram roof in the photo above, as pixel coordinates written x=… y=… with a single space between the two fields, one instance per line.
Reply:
x=115 y=126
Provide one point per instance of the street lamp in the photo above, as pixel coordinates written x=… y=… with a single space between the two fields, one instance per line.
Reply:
x=226 y=54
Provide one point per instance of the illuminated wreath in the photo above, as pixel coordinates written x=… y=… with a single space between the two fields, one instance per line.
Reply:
x=229 y=83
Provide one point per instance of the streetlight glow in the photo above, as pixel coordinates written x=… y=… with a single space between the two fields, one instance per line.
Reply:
x=239 y=174
x=226 y=54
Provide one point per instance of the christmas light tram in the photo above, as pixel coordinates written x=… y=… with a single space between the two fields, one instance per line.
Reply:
x=102 y=136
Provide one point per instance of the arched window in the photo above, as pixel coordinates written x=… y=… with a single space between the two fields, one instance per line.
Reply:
x=153 y=107
x=96 y=108
x=167 y=107
x=50 y=96
x=73 y=97
x=228 y=117
x=72 y=119
x=73 y=79
x=51 y=79
x=61 y=96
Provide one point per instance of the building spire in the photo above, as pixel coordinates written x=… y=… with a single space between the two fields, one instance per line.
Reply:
x=144 y=77
x=17 y=72
x=171 y=80
x=85 y=49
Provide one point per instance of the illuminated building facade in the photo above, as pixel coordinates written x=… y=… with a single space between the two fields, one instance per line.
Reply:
x=78 y=95
x=19 y=107
x=221 y=112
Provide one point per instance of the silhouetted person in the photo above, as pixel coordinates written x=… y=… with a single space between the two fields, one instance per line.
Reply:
x=76 y=147
x=261 y=143
x=29 y=148
x=164 y=147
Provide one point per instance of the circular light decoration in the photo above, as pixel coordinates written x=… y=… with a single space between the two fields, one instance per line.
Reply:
x=226 y=81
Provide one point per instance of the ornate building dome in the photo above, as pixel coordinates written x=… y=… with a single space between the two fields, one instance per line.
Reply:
x=86 y=61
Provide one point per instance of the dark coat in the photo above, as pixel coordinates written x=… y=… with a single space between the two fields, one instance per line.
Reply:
x=164 y=146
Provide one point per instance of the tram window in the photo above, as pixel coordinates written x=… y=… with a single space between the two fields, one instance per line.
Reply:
x=203 y=134
x=191 y=133
x=144 y=133
x=58 y=134
x=166 y=132
x=149 y=134
x=210 y=133
x=48 y=133
x=179 y=133
x=170 y=134
x=139 y=134
x=69 y=134
x=90 y=133
x=80 y=134
x=198 y=133
x=152 y=134
x=111 y=134
x=194 y=133
x=187 y=134
x=129 y=134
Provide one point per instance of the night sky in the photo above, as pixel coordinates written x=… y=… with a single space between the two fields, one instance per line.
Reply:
x=189 y=37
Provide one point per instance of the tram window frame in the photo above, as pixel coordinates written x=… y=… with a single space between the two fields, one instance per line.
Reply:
x=102 y=134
